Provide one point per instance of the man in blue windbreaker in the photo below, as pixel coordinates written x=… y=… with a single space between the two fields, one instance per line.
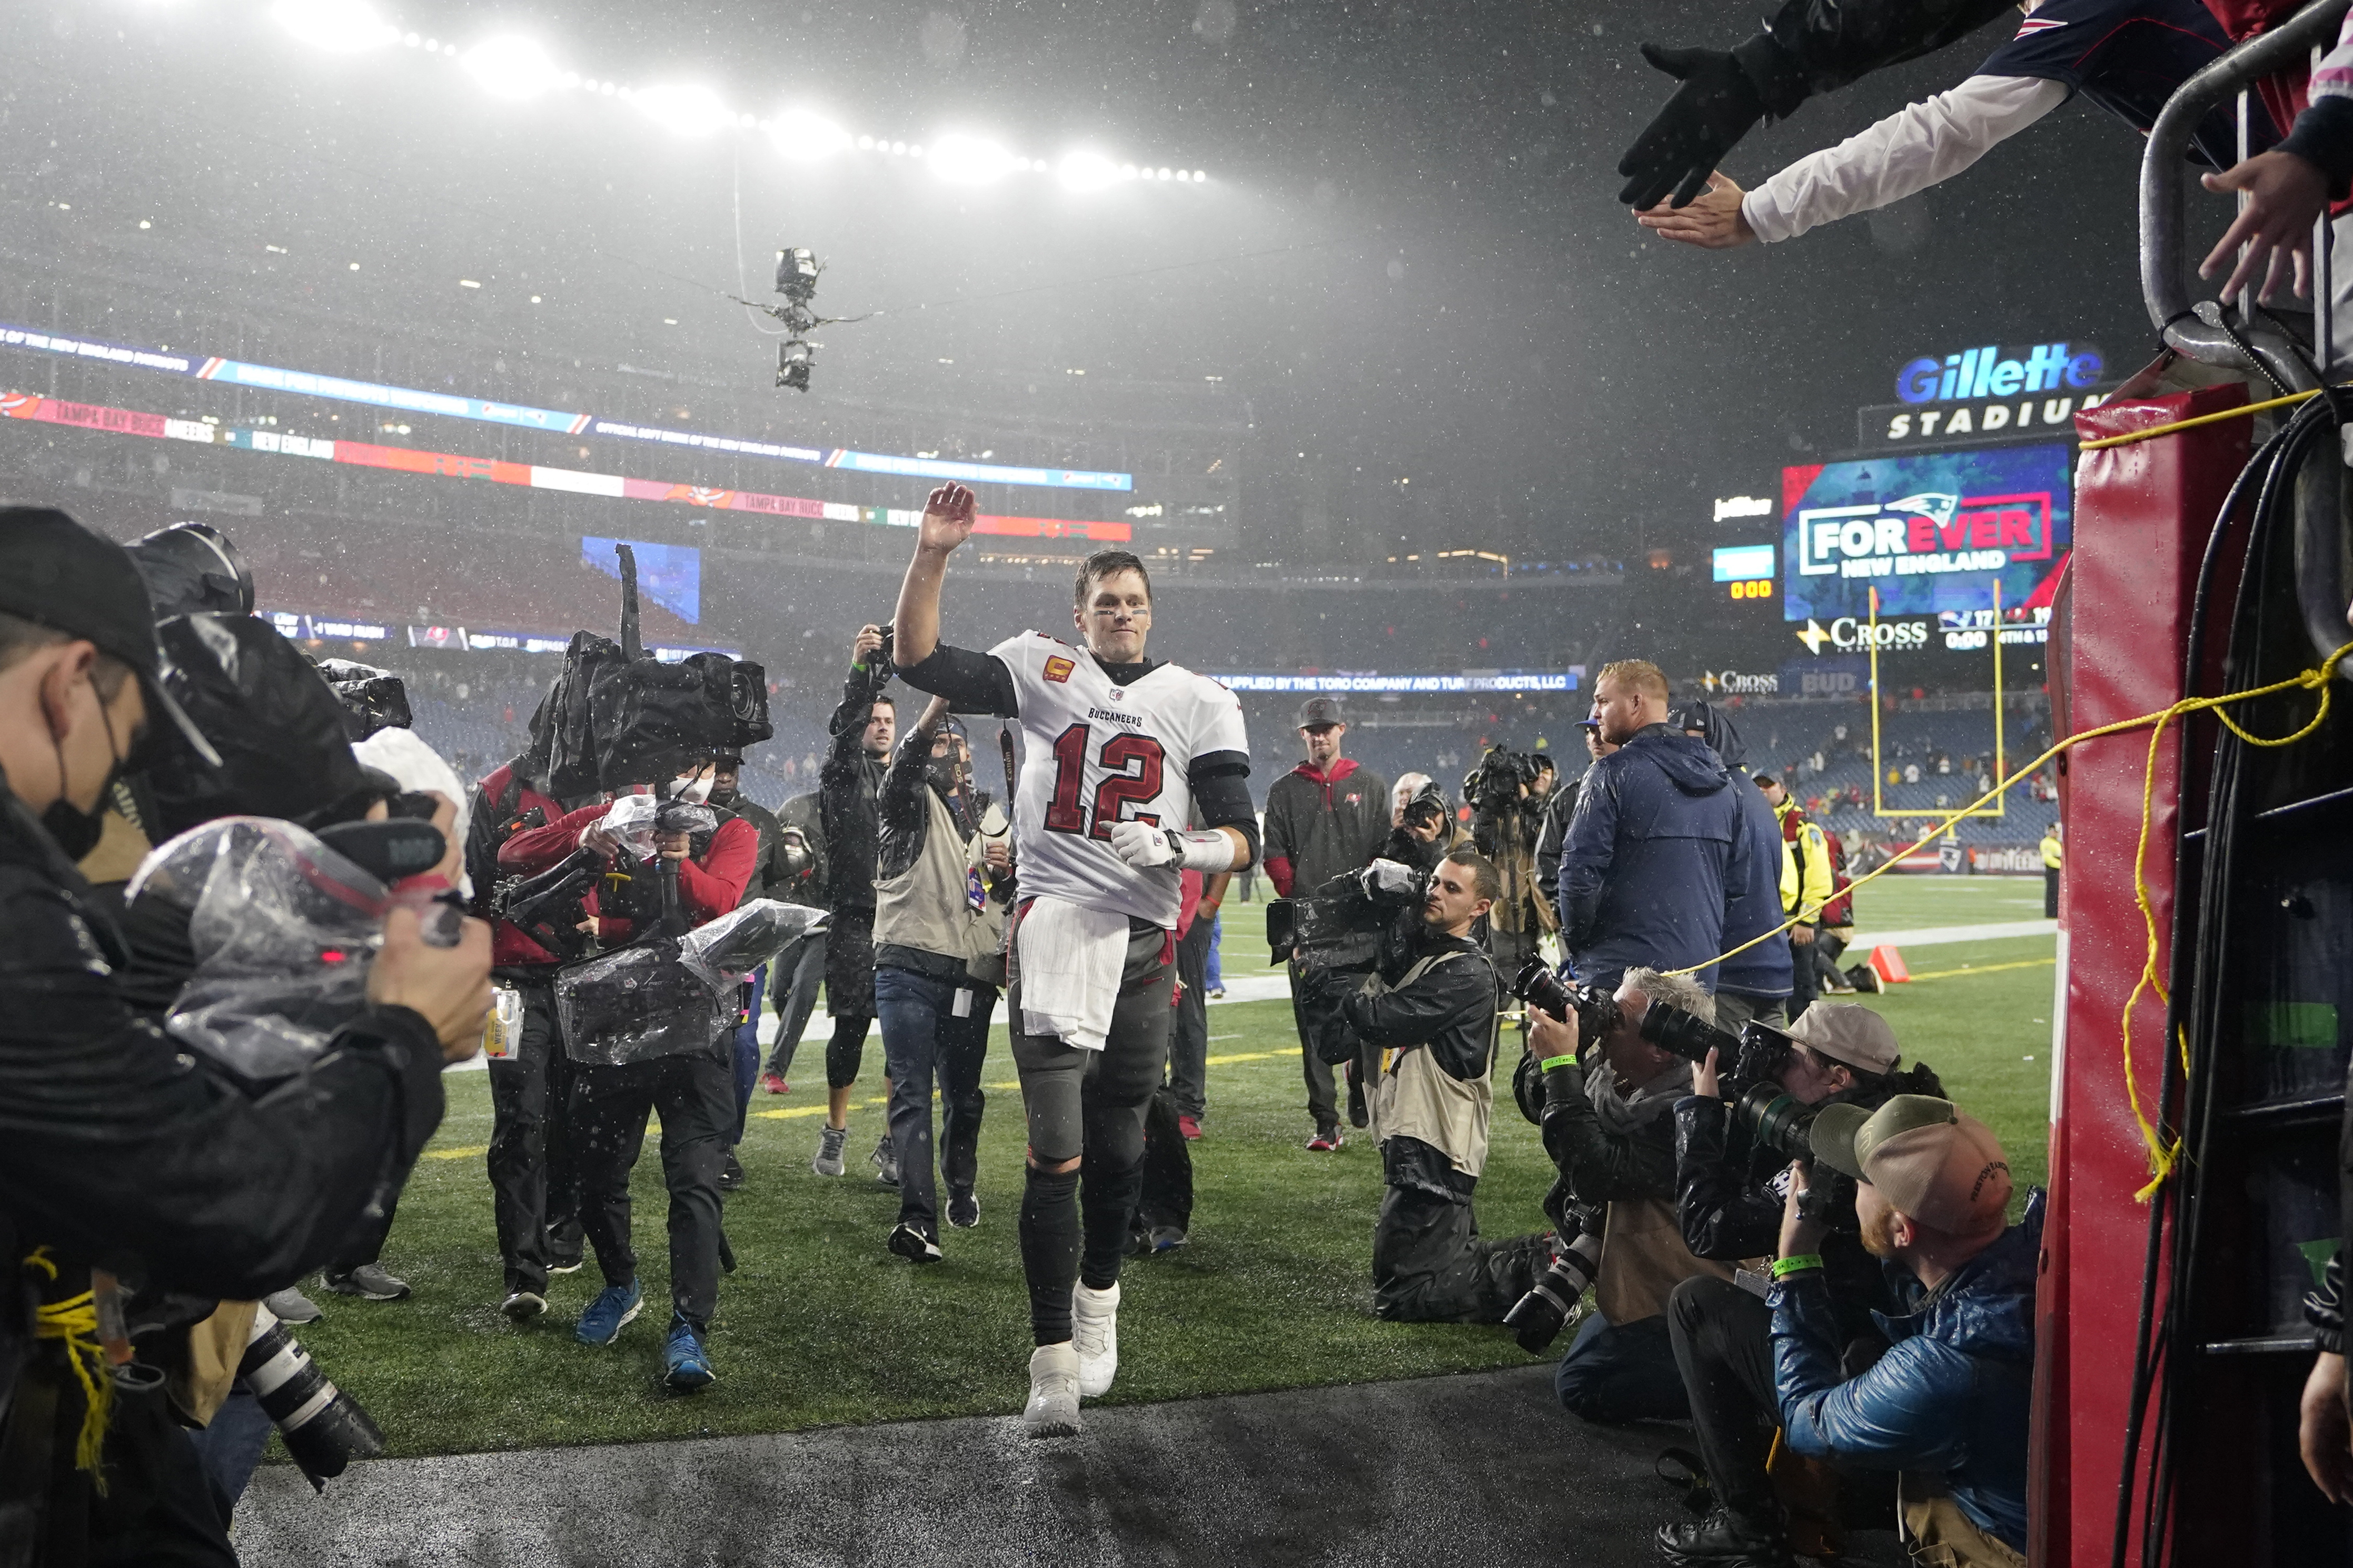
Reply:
x=1657 y=840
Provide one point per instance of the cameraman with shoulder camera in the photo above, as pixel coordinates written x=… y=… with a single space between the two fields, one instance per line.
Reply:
x=693 y=1090
x=118 y=1151
x=1946 y=1405
x=1608 y=1124
x=1432 y=1010
x=1324 y=819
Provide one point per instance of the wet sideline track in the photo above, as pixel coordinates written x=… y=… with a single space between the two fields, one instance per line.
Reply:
x=1480 y=1470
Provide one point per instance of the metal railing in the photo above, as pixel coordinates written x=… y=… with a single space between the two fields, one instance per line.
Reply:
x=2241 y=334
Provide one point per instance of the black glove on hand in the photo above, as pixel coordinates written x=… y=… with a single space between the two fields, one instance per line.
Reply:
x=1707 y=116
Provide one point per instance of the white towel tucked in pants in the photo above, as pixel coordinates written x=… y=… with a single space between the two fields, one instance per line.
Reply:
x=1071 y=962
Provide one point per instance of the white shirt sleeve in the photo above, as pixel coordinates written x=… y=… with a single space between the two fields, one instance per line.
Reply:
x=1921 y=145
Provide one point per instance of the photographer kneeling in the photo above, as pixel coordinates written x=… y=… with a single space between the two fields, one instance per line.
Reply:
x=1431 y=1013
x=1609 y=1125
x=1946 y=1403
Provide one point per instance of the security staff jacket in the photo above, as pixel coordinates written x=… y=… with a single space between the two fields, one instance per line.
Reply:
x=1805 y=863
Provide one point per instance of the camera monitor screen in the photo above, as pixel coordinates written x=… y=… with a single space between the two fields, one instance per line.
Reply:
x=1931 y=531
x=669 y=574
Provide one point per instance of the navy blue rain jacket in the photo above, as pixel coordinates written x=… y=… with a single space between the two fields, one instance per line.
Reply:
x=1657 y=840
x=1753 y=906
x=1950 y=1396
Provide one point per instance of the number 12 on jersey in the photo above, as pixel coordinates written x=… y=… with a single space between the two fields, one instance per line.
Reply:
x=1133 y=764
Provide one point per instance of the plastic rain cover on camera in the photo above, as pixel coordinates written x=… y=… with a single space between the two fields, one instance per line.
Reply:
x=634 y=819
x=283 y=930
x=635 y=1005
x=724 y=952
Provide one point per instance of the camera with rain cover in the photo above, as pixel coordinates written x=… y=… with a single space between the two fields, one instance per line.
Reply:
x=1501 y=782
x=1341 y=923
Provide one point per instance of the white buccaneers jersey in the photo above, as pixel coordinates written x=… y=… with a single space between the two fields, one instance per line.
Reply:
x=1097 y=754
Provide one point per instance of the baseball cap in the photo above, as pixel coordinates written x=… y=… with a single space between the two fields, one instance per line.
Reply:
x=1319 y=711
x=1589 y=722
x=1941 y=1167
x=1848 y=1032
x=57 y=574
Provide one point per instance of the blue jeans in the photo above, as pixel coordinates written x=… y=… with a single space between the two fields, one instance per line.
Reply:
x=922 y=1035
x=1217 y=939
x=1618 y=1373
x=747 y=1051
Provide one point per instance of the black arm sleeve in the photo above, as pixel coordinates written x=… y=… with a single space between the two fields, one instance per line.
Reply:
x=972 y=682
x=1220 y=785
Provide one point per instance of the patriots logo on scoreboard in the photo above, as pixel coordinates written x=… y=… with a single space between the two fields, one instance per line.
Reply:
x=1057 y=669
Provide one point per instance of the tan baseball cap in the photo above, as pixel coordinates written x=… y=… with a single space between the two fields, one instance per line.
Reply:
x=1848 y=1032
x=1931 y=1161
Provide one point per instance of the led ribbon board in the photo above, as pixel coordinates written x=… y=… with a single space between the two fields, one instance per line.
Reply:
x=409 y=400
x=452 y=465
x=1507 y=680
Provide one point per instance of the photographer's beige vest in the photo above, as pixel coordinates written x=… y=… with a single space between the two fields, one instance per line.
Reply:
x=1415 y=1098
x=926 y=907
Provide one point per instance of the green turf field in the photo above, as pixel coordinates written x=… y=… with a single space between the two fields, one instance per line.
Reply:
x=820 y=1325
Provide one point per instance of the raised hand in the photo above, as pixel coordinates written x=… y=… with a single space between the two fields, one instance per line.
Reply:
x=1711 y=221
x=1710 y=113
x=948 y=517
x=2285 y=195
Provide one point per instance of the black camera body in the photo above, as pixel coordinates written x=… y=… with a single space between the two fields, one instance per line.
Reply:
x=1341 y=923
x=1501 y=780
x=1539 y=987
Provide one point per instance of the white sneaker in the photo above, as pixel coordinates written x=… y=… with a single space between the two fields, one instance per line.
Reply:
x=1053 y=1407
x=1095 y=1334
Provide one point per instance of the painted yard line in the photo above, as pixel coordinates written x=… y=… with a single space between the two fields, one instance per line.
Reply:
x=1985 y=969
x=1934 y=936
x=457 y=1153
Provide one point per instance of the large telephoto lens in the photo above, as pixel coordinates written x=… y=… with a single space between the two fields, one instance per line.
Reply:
x=324 y=1428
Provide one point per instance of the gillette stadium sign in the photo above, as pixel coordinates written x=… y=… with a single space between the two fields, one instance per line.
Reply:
x=1975 y=395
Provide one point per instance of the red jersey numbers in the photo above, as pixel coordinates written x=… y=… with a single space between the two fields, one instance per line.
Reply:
x=1133 y=764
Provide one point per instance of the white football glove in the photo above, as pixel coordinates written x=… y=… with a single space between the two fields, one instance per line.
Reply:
x=1141 y=845
x=1145 y=847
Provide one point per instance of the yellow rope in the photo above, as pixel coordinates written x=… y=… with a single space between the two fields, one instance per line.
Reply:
x=2163 y=1157
x=2242 y=411
x=74 y=1324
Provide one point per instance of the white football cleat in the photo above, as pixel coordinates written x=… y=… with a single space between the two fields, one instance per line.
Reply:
x=1094 y=1333
x=1053 y=1407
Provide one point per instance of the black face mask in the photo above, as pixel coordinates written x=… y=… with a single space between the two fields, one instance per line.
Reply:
x=944 y=773
x=77 y=831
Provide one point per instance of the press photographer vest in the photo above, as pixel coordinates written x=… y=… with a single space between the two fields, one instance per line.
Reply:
x=1415 y=1098
x=928 y=906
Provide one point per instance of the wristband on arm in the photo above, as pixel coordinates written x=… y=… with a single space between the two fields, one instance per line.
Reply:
x=1785 y=1266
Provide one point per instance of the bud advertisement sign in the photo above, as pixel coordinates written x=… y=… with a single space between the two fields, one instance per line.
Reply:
x=1931 y=531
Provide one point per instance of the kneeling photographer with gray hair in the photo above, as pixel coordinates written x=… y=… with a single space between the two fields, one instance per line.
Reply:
x=1609 y=1125
x=1946 y=1406
x=1431 y=1013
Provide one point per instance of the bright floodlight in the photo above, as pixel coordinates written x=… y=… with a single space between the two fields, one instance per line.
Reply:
x=512 y=68
x=805 y=136
x=968 y=160
x=1087 y=172
x=683 y=110
x=343 y=26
